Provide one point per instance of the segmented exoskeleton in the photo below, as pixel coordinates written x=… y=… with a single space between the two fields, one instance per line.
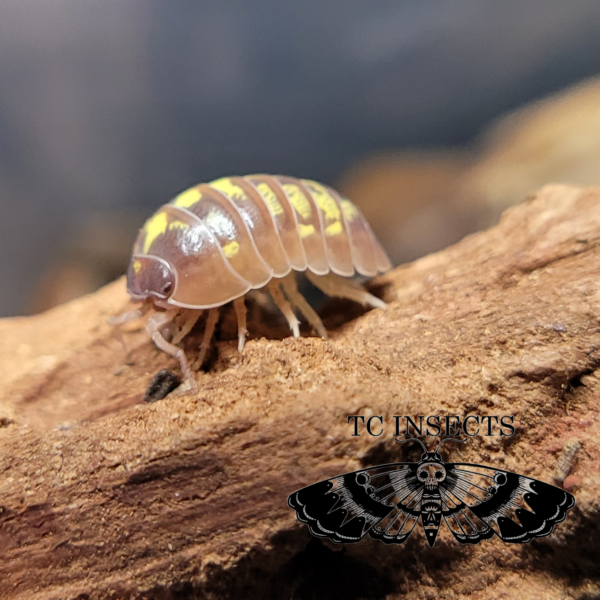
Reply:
x=566 y=460
x=215 y=242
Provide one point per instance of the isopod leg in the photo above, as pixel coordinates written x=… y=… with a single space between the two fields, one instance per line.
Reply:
x=191 y=318
x=299 y=302
x=240 y=312
x=154 y=326
x=130 y=315
x=126 y=317
x=211 y=322
x=334 y=285
x=284 y=306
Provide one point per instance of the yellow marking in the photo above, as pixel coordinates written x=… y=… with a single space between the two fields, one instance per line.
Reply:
x=187 y=198
x=305 y=230
x=334 y=229
x=156 y=225
x=137 y=266
x=231 y=249
x=229 y=189
x=350 y=211
x=325 y=201
x=178 y=225
x=270 y=198
x=298 y=200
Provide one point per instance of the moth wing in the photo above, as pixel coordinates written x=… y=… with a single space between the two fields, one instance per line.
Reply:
x=480 y=501
x=383 y=501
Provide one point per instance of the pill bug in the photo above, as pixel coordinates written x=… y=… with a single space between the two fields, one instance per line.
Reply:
x=566 y=460
x=215 y=242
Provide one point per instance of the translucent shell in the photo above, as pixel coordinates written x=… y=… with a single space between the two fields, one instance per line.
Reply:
x=234 y=234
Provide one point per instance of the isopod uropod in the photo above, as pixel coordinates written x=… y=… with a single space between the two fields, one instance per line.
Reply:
x=214 y=242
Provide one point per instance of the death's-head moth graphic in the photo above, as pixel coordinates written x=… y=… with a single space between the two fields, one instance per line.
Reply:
x=475 y=502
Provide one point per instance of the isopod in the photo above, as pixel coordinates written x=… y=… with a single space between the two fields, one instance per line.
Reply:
x=566 y=460
x=214 y=242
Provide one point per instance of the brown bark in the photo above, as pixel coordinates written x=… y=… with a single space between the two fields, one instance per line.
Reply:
x=103 y=496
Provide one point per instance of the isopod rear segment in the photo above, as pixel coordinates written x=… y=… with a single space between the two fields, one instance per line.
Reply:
x=215 y=242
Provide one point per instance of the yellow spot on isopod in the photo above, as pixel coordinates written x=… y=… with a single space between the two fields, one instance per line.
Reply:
x=350 y=211
x=156 y=225
x=270 y=198
x=187 y=198
x=298 y=200
x=305 y=230
x=231 y=249
x=325 y=201
x=137 y=266
x=334 y=229
x=178 y=225
x=229 y=189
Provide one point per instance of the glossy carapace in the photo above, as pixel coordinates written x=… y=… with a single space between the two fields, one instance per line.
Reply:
x=215 y=242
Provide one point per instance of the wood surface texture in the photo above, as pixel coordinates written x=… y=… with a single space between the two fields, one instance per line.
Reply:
x=104 y=496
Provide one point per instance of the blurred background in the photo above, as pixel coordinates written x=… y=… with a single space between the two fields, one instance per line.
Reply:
x=432 y=116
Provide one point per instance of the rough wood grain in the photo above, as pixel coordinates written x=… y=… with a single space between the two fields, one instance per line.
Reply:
x=103 y=496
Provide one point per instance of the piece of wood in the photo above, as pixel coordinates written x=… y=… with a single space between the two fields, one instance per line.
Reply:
x=104 y=496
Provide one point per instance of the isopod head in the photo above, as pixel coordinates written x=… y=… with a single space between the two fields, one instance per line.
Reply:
x=149 y=277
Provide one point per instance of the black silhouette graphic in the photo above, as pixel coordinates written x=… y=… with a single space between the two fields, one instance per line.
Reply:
x=387 y=502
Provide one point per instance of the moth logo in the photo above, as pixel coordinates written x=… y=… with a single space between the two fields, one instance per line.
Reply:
x=388 y=501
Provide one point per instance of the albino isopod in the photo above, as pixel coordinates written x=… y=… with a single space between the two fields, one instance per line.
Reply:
x=566 y=460
x=214 y=242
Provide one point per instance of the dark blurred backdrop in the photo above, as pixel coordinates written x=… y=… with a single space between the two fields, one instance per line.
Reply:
x=108 y=109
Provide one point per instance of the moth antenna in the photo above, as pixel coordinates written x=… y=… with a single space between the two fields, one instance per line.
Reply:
x=450 y=439
x=412 y=439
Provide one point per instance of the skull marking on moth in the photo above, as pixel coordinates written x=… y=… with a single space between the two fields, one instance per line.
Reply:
x=431 y=474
